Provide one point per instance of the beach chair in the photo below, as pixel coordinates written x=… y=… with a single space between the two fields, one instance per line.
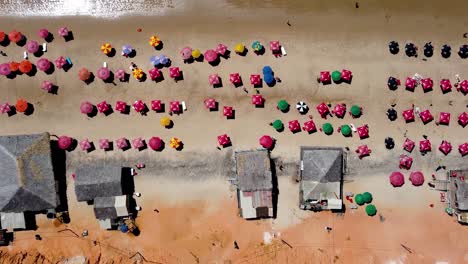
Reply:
x=104 y=65
x=353 y=128
x=69 y=61
x=44 y=47
x=283 y=51
x=25 y=55
x=184 y=107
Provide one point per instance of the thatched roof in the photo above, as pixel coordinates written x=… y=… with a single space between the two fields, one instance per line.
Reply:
x=27 y=176
x=93 y=181
x=254 y=170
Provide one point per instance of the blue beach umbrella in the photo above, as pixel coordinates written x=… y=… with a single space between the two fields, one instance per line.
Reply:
x=124 y=228
x=269 y=78
x=154 y=60
x=163 y=59
x=257 y=46
x=267 y=70
x=127 y=49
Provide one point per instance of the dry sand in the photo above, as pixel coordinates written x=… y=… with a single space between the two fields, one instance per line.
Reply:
x=198 y=219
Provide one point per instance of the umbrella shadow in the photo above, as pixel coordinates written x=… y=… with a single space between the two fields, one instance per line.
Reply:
x=30 y=110
x=262 y=105
x=260 y=85
x=461 y=124
x=180 y=77
x=285 y=110
x=73 y=145
x=260 y=52
x=12 y=75
x=216 y=62
x=216 y=108
x=445 y=91
x=201 y=58
x=128 y=145
x=171 y=125
x=126 y=78
x=39 y=52
x=338 y=81
x=54 y=89
x=226 y=55
x=145 y=146
x=189 y=60
x=219 y=85
x=163 y=146
x=239 y=84
x=67 y=67
x=132 y=54
x=160 y=78
x=50 y=70
x=93 y=112
x=126 y=111
x=12 y=111
x=272 y=83
x=110 y=79
x=112 y=53
x=109 y=111
x=428 y=90
x=143 y=78
x=22 y=41
x=90 y=79
x=163 y=108
x=33 y=71
x=69 y=37
x=160 y=46
x=49 y=38
x=233 y=115
x=244 y=53
x=91 y=148
x=5 y=42
x=348 y=81
x=111 y=146
x=181 y=146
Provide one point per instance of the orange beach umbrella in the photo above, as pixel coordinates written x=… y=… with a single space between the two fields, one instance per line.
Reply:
x=14 y=66
x=21 y=105
x=15 y=36
x=154 y=41
x=106 y=48
x=84 y=74
x=25 y=66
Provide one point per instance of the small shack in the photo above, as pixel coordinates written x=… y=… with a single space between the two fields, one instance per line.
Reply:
x=458 y=194
x=107 y=209
x=321 y=178
x=254 y=184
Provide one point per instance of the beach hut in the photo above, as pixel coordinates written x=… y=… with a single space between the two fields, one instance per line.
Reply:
x=283 y=105
x=278 y=125
x=323 y=110
x=64 y=142
x=196 y=54
x=445 y=85
x=154 y=41
x=392 y=114
x=327 y=128
x=155 y=74
x=406 y=162
x=235 y=78
x=363 y=131
x=155 y=143
x=355 y=111
x=103 y=73
x=86 y=107
x=394 y=47
x=345 y=130
x=138 y=74
x=60 y=62
x=464 y=87
x=84 y=74
x=339 y=110
x=257 y=100
x=165 y=121
x=138 y=143
x=445 y=51
x=294 y=126
x=121 y=106
x=410 y=49
x=408 y=115
x=393 y=83
x=186 y=53
x=397 y=179
x=228 y=111
x=363 y=151
x=156 y=105
x=266 y=141
x=175 y=143
x=239 y=48
x=122 y=143
x=120 y=74
x=25 y=67
x=48 y=86
x=410 y=84
x=416 y=178
x=336 y=76
x=309 y=126
x=444 y=118
x=325 y=77
x=210 y=56
x=174 y=107
x=463 y=149
x=63 y=32
x=463 y=119
x=409 y=145
x=255 y=80
x=5 y=69
x=427 y=84
x=445 y=147
x=127 y=50
x=210 y=104
x=5 y=108
x=223 y=140
x=43 y=64
x=106 y=48
x=426 y=116
x=104 y=144
x=15 y=36
x=21 y=105
x=139 y=106
x=85 y=145
x=302 y=107
x=221 y=49
x=425 y=146
x=174 y=72
x=214 y=79
x=32 y=46
x=103 y=107
x=346 y=75
x=371 y=210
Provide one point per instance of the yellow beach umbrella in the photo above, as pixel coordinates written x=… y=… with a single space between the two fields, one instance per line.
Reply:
x=239 y=48
x=196 y=53
x=106 y=48
x=174 y=143
x=165 y=121
x=137 y=73
x=154 y=41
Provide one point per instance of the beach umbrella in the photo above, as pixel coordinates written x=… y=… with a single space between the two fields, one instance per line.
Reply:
x=210 y=103
x=346 y=130
x=463 y=51
x=428 y=49
x=257 y=46
x=339 y=110
x=163 y=59
x=165 y=121
x=359 y=199
x=5 y=108
x=269 y=79
x=267 y=70
x=367 y=197
x=309 y=126
x=255 y=79
x=174 y=107
x=346 y=75
x=25 y=66
x=463 y=119
x=410 y=84
x=43 y=33
x=406 y=162
x=175 y=143
x=363 y=131
x=363 y=151
x=174 y=72
x=445 y=51
x=408 y=115
x=228 y=111
x=104 y=144
x=325 y=77
x=15 y=36
x=444 y=118
x=445 y=85
x=137 y=73
x=214 y=79
x=121 y=106
x=389 y=143
x=463 y=149
x=14 y=66
x=283 y=105
x=120 y=74
x=393 y=47
x=156 y=105
x=154 y=41
x=427 y=84
x=127 y=49
x=278 y=125
x=139 y=106
x=155 y=143
x=410 y=49
x=155 y=74
x=409 y=145
x=327 y=128
x=103 y=73
x=46 y=85
x=103 y=107
x=43 y=64
x=63 y=31
x=336 y=76
x=154 y=60
x=397 y=179
x=86 y=107
x=60 y=62
x=371 y=210
x=392 y=83
x=221 y=49
x=210 y=55
x=32 y=46
x=186 y=53
x=425 y=146
x=106 y=48
x=464 y=87
x=416 y=178
x=356 y=111
x=323 y=110
x=64 y=142
x=294 y=126
x=2 y=36
x=196 y=53
x=138 y=143
x=275 y=46
x=257 y=100
x=5 y=69
x=122 y=143
x=223 y=140
x=239 y=48
x=85 y=145
x=266 y=141
x=235 y=78
x=445 y=147
x=392 y=114
x=84 y=74
x=426 y=116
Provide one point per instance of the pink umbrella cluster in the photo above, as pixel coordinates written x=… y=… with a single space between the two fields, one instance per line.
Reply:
x=397 y=179
x=155 y=143
x=139 y=106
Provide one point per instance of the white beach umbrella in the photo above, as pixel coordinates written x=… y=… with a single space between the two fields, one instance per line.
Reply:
x=302 y=107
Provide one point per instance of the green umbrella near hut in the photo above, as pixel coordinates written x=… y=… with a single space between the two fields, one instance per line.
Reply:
x=283 y=105
x=371 y=210
x=355 y=110
x=346 y=130
x=367 y=197
x=327 y=128
x=359 y=199
x=278 y=125
x=336 y=76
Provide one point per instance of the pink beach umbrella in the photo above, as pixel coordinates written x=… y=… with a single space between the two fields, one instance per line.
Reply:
x=323 y=110
x=266 y=141
x=103 y=73
x=255 y=79
x=121 y=106
x=104 y=144
x=445 y=147
x=463 y=119
x=410 y=84
x=408 y=115
x=156 y=105
x=210 y=103
x=346 y=75
x=363 y=151
x=463 y=149
x=43 y=33
x=139 y=106
x=221 y=49
x=257 y=100
x=339 y=110
x=46 y=85
x=363 y=131
x=85 y=145
x=63 y=31
x=122 y=143
x=445 y=85
x=210 y=55
x=325 y=77
x=64 y=142
x=235 y=78
x=43 y=64
x=427 y=84
x=103 y=107
x=5 y=108
x=464 y=87
x=155 y=143
x=309 y=126
x=174 y=107
x=444 y=118
x=214 y=79
x=86 y=107
x=294 y=126
x=223 y=140
x=5 y=69
x=409 y=145
x=426 y=116
x=120 y=74
x=275 y=46
x=138 y=143
x=186 y=53
x=228 y=111
x=32 y=46
x=406 y=162
x=174 y=72
x=416 y=178
x=60 y=62
x=397 y=179
x=155 y=73
x=425 y=146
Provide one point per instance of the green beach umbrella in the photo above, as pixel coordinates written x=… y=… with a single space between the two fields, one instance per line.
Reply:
x=327 y=128
x=355 y=110
x=367 y=197
x=257 y=46
x=346 y=130
x=283 y=105
x=278 y=125
x=359 y=199
x=371 y=210
x=336 y=76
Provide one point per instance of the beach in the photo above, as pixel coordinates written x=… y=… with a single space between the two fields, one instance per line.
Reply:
x=198 y=217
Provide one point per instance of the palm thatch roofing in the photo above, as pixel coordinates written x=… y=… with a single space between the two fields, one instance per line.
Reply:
x=254 y=170
x=27 y=176
x=93 y=181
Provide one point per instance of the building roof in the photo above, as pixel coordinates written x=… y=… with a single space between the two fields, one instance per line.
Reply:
x=27 y=176
x=462 y=194
x=93 y=181
x=110 y=207
x=11 y=221
x=254 y=170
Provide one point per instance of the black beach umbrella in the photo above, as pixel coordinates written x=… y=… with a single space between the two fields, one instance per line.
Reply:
x=445 y=51
x=463 y=52
x=392 y=114
x=389 y=143
x=410 y=49
x=393 y=47
x=392 y=83
x=428 y=49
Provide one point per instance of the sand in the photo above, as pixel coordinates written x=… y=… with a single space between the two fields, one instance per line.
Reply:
x=198 y=219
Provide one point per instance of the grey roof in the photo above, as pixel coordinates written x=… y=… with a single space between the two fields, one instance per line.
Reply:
x=27 y=176
x=93 y=181
x=462 y=194
x=104 y=208
x=253 y=170
x=321 y=164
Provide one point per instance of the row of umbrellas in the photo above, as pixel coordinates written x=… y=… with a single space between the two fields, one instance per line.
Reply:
x=397 y=179
x=155 y=143
x=411 y=49
x=337 y=76
x=26 y=66
x=139 y=106
x=21 y=106
x=105 y=74
x=16 y=36
x=236 y=79
x=427 y=84
x=425 y=146
x=426 y=116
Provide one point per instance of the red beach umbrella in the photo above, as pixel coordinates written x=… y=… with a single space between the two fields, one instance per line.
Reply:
x=103 y=107
x=397 y=179
x=339 y=110
x=122 y=143
x=426 y=116
x=104 y=144
x=363 y=151
x=43 y=33
x=323 y=110
x=257 y=100
x=255 y=79
x=214 y=79
x=121 y=106
x=275 y=46
x=210 y=103
x=32 y=46
x=83 y=74
x=156 y=105
x=64 y=142
x=155 y=143
x=409 y=145
x=43 y=64
x=235 y=78
x=5 y=108
x=174 y=107
x=346 y=75
x=186 y=53
x=294 y=126
x=464 y=87
x=221 y=49
x=174 y=72
x=406 y=162
x=363 y=131
x=463 y=149
x=228 y=111
x=155 y=73
x=210 y=55
x=266 y=141
x=15 y=36
x=25 y=66
x=139 y=106
x=445 y=147
x=425 y=145
x=138 y=143
x=85 y=145
x=427 y=84
x=46 y=85
x=325 y=77
x=14 y=66
x=410 y=84
x=463 y=119
x=103 y=73
x=86 y=107
x=223 y=140
x=444 y=118
x=2 y=36
x=445 y=85
x=408 y=115
x=309 y=126
x=416 y=178
x=60 y=62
